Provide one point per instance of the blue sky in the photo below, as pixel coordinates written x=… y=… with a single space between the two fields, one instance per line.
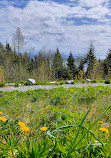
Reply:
x=70 y=25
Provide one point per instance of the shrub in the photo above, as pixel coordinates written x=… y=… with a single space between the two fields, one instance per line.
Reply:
x=107 y=81
x=21 y=81
x=94 y=81
x=28 y=83
x=41 y=83
x=2 y=84
x=76 y=81
x=62 y=82
x=16 y=84
x=101 y=81
x=82 y=81
x=9 y=81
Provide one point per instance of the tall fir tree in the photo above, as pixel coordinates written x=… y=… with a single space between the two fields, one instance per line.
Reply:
x=71 y=64
x=90 y=59
x=107 y=65
x=57 y=65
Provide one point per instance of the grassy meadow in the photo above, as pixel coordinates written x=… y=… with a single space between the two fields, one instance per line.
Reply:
x=56 y=123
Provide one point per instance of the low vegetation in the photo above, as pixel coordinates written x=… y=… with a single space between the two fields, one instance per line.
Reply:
x=56 y=123
x=61 y=82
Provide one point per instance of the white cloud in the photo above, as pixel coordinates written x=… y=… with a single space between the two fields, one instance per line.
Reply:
x=45 y=23
x=92 y=3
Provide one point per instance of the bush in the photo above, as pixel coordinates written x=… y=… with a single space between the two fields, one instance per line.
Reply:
x=28 y=83
x=21 y=81
x=16 y=84
x=9 y=81
x=2 y=84
x=107 y=81
x=76 y=81
x=41 y=83
x=83 y=81
x=101 y=81
x=94 y=81
x=62 y=82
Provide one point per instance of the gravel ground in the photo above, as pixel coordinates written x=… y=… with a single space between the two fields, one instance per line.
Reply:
x=26 y=88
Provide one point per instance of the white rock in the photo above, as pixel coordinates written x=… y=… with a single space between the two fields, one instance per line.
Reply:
x=88 y=80
x=53 y=82
x=32 y=81
x=69 y=82
x=10 y=84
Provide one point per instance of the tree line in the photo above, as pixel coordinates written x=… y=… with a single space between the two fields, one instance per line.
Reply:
x=15 y=65
x=51 y=66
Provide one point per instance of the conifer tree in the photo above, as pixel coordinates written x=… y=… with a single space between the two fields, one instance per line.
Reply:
x=107 y=65
x=57 y=65
x=71 y=64
x=90 y=59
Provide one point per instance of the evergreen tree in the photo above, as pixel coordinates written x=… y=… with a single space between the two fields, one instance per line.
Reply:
x=81 y=65
x=57 y=65
x=107 y=65
x=71 y=64
x=90 y=59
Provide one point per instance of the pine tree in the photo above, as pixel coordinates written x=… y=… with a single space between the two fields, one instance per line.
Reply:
x=90 y=59
x=57 y=65
x=107 y=65
x=71 y=64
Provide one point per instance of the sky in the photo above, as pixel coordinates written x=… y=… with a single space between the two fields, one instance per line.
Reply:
x=70 y=25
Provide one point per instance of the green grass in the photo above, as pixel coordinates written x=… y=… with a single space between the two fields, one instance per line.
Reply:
x=72 y=121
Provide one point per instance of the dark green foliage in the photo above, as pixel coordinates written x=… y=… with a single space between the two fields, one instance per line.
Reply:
x=57 y=66
x=107 y=64
x=94 y=81
x=90 y=59
x=16 y=84
x=2 y=84
x=81 y=64
x=66 y=74
x=107 y=81
x=71 y=64
x=28 y=83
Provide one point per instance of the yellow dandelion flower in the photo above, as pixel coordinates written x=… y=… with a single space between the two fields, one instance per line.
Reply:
x=48 y=106
x=25 y=129
x=3 y=119
x=72 y=90
x=104 y=129
x=21 y=124
x=44 y=128
x=1 y=112
x=100 y=122
x=39 y=105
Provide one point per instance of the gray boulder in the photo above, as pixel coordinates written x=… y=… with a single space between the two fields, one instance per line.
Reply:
x=88 y=80
x=10 y=84
x=52 y=82
x=32 y=81
x=69 y=82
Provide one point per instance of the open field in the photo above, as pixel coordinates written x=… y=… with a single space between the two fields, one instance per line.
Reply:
x=70 y=118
